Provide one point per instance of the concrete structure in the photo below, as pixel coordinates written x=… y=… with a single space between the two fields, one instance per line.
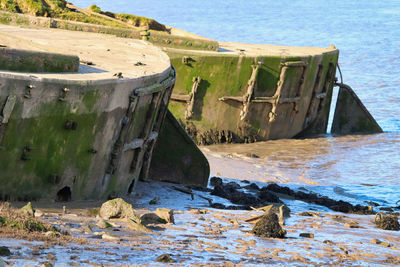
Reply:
x=248 y=93
x=85 y=134
x=351 y=116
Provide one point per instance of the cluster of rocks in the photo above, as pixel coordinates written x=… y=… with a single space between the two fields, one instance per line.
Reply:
x=310 y=197
x=232 y=192
x=269 y=194
x=119 y=209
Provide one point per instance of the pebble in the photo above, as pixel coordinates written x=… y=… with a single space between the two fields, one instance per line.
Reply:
x=307 y=235
x=165 y=258
x=109 y=237
x=351 y=225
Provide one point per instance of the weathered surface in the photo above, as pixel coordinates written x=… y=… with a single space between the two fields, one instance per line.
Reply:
x=28 y=210
x=166 y=214
x=33 y=61
x=176 y=157
x=67 y=136
x=177 y=40
x=351 y=116
x=253 y=92
x=117 y=208
x=269 y=226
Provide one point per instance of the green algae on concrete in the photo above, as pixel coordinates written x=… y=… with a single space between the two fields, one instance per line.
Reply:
x=32 y=61
x=60 y=132
x=244 y=97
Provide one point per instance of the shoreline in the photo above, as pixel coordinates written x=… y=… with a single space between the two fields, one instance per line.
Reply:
x=205 y=236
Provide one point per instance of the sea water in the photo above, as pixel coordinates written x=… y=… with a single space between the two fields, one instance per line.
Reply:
x=367 y=33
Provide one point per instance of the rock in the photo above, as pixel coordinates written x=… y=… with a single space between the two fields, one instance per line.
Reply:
x=136 y=224
x=154 y=201
x=229 y=191
x=51 y=257
x=310 y=214
x=103 y=224
x=117 y=208
x=151 y=218
x=311 y=197
x=386 y=209
x=166 y=214
x=232 y=185
x=251 y=155
x=166 y=258
x=109 y=237
x=50 y=234
x=28 y=210
x=268 y=196
x=220 y=190
x=47 y=264
x=375 y=241
x=307 y=235
x=244 y=199
x=268 y=226
x=387 y=222
x=351 y=225
x=5 y=251
x=87 y=228
x=215 y=181
x=252 y=187
x=385 y=244
x=38 y=213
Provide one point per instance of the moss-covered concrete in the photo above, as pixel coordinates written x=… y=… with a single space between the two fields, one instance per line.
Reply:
x=303 y=99
x=79 y=22
x=32 y=61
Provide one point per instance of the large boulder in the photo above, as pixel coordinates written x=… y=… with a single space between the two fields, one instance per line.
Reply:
x=117 y=208
x=268 y=226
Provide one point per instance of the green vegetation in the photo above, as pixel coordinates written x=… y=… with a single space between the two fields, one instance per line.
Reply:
x=60 y=9
x=39 y=149
x=13 y=218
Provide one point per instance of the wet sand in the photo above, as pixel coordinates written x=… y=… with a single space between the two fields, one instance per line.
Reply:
x=205 y=236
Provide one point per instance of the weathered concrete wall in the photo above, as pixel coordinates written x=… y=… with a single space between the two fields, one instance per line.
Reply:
x=351 y=116
x=176 y=157
x=80 y=134
x=57 y=138
x=33 y=61
x=158 y=38
x=247 y=98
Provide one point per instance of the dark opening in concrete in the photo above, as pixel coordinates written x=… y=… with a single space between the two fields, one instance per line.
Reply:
x=64 y=195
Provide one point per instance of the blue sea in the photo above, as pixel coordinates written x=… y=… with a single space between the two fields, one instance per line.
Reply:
x=367 y=33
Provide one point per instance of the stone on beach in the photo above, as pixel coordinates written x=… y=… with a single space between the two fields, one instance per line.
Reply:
x=165 y=258
x=117 y=208
x=151 y=218
x=5 y=251
x=28 y=210
x=268 y=226
x=387 y=222
x=166 y=214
